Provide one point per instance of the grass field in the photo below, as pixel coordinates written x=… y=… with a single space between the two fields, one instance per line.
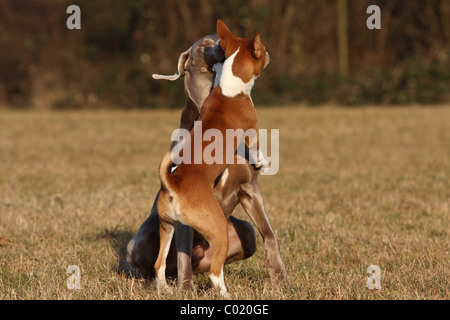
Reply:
x=356 y=187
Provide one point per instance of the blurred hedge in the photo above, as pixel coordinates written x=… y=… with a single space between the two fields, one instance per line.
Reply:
x=110 y=61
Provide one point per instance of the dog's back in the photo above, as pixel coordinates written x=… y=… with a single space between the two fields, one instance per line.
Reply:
x=187 y=194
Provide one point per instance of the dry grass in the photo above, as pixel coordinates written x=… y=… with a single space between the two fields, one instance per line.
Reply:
x=356 y=187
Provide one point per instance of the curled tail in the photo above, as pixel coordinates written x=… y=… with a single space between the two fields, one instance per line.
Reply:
x=165 y=173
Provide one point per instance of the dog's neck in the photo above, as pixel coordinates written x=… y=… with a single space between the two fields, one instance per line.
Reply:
x=217 y=68
x=230 y=84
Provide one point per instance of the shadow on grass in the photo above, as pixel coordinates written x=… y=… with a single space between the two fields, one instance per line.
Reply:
x=119 y=240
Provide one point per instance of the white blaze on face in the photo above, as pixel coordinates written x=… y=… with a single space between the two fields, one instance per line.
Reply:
x=232 y=85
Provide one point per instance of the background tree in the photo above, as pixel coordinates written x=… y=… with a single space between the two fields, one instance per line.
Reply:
x=109 y=62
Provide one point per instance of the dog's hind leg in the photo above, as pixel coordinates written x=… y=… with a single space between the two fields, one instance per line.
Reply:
x=218 y=240
x=211 y=223
x=166 y=231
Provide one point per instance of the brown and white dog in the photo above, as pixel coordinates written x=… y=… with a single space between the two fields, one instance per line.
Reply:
x=237 y=184
x=187 y=194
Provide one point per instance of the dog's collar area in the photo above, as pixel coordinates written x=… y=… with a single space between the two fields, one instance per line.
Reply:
x=231 y=84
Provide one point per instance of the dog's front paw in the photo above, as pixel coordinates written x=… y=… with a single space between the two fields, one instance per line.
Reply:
x=263 y=164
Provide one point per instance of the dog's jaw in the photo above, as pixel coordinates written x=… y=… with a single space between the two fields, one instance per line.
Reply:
x=232 y=85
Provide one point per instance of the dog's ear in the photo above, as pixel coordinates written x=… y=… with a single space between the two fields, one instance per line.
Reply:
x=180 y=72
x=223 y=32
x=257 y=46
